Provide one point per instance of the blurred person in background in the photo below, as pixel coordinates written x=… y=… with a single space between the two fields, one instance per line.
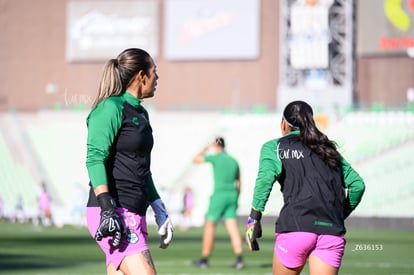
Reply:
x=2 y=215
x=223 y=201
x=188 y=203
x=119 y=145
x=320 y=190
x=19 y=214
x=44 y=206
x=79 y=198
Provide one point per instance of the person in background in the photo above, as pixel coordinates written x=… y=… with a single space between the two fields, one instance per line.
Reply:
x=188 y=203
x=223 y=201
x=320 y=190
x=2 y=215
x=119 y=144
x=19 y=215
x=44 y=206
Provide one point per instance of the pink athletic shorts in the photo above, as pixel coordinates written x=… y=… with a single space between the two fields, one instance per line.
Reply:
x=135 y=241
x=293 y=248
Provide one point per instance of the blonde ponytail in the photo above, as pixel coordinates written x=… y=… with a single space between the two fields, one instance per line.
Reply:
x=110 y=83
x=119 y=73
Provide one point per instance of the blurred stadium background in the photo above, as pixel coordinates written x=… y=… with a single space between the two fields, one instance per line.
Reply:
x=226 y=68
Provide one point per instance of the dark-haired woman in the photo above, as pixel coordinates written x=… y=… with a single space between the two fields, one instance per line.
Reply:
x=320 y=189
x=118 y=161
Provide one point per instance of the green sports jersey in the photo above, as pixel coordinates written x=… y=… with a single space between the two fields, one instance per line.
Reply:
x=119 y=148
x=225 y=171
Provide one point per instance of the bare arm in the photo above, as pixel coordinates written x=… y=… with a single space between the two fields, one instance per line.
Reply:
x=101 y=189
x=238 y=183
x=199 y=157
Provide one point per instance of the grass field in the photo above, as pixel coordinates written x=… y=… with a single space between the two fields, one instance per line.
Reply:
x=25 y=249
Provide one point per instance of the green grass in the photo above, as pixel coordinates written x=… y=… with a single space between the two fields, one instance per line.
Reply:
x=25 y=249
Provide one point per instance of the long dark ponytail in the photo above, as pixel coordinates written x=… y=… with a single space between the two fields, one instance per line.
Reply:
x=299 y=115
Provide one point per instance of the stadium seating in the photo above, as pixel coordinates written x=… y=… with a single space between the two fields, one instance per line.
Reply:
x=378 y=144
x=389 y=183
x=364 y=134
x=16 y=181
x=59 y=142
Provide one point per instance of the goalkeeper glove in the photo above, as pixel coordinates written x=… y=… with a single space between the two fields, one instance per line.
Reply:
x=165 y=226
x=110 y=223
x=253 y=230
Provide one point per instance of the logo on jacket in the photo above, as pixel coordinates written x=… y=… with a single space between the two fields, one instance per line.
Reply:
x=135 y=120
x=289 y=153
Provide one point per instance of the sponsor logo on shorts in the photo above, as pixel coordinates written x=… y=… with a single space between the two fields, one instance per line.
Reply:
x=132 y=237
x=284 y=250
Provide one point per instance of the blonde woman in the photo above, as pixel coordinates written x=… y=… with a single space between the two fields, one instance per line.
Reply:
x=118 y=161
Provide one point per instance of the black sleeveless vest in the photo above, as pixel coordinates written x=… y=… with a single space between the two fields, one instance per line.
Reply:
x=313 y=193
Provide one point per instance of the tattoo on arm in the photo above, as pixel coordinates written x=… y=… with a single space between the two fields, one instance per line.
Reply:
x=148 y=259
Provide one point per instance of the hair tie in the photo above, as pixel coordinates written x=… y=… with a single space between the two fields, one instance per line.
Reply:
x=288 y=123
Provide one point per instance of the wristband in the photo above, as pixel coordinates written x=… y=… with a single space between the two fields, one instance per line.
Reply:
x=105 y=201
x=254 y=214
